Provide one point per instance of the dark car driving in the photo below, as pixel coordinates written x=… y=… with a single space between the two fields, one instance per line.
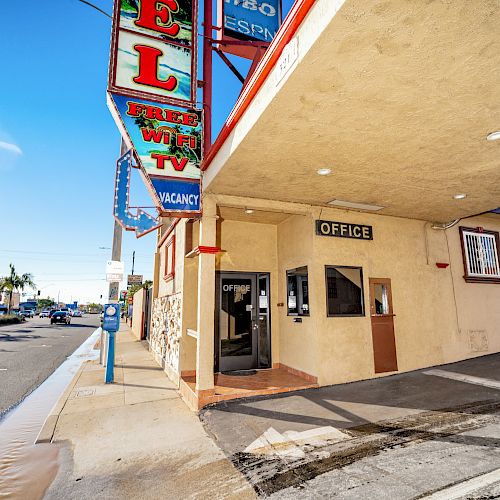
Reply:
x=60 y=317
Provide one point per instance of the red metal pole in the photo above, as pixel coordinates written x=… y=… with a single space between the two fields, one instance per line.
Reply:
x=207 y=74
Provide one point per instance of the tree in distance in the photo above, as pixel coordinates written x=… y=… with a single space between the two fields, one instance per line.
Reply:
x=13 y=282
x=42 y=304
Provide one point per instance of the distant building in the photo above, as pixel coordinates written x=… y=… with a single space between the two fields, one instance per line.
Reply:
x=15 y=300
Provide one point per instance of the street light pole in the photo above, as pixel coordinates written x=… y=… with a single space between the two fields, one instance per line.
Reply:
x=133 y=261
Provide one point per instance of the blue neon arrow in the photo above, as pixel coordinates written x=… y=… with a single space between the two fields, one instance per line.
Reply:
x=141 y=222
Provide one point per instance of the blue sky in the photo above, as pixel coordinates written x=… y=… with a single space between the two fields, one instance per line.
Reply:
x=59 y=145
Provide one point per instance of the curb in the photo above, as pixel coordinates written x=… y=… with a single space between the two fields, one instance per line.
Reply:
x=49 y=426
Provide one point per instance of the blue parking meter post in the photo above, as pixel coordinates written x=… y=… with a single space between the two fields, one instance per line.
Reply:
x=111 y=323
x=110 y=362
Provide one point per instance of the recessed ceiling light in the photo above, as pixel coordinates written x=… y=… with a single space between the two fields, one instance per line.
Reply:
x=494 y=136
x=354 y=204
x=459 y=196
x=248 y=211
x=324 y=171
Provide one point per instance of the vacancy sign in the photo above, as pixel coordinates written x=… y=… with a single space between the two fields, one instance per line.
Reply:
x=151 y=90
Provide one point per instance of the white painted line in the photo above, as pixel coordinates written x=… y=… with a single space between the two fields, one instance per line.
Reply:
x=3 y=369
x=290 y=443
x=466 y=487
x=468 y=379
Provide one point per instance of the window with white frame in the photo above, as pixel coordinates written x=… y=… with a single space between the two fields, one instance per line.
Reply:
x=480 y=252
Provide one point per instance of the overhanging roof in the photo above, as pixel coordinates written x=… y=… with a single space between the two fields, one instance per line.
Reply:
x=395 y=97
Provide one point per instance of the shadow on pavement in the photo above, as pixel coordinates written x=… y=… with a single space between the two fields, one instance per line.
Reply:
x=18 y=338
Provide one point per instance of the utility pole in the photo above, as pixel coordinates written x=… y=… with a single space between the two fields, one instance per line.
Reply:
x=133 y=261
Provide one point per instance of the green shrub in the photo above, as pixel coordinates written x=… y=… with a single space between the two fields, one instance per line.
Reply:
x=9 y=319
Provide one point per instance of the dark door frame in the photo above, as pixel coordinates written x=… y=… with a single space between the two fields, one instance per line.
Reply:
x=218 y=277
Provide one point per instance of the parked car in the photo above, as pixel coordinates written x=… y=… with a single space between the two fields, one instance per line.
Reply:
x=60 y=317
x=27 y=313
x=44 y=314
x=77 y=314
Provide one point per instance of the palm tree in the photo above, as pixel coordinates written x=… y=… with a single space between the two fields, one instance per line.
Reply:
x=14 y=282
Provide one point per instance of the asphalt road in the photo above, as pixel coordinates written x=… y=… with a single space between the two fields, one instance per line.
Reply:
x=429 y=432
x=31 y=351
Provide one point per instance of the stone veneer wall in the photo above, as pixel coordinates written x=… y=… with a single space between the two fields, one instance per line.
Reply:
x=166 y=330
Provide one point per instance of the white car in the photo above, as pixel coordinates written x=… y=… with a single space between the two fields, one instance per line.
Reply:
x=44 y=314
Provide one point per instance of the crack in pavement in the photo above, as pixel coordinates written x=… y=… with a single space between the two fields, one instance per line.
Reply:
x=270 y=474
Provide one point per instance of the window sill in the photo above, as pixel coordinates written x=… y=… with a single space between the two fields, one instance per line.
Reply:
x=472 y=279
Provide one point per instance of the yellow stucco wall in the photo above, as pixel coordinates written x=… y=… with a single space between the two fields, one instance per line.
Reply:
x=138 y=310
x=250 y=247
x=478 y=304
x=298 y=341
x=439 y=317
x=406 y=251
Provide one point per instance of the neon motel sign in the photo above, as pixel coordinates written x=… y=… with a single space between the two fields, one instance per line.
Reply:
x=151 y=92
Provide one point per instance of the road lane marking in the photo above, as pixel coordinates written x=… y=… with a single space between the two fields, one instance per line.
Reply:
x=291 y=443
x=468 y=379
x=461 y=489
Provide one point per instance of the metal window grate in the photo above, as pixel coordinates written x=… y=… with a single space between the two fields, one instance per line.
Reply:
x=481 y=255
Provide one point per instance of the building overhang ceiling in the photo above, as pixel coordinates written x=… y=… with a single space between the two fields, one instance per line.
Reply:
x=395 y=97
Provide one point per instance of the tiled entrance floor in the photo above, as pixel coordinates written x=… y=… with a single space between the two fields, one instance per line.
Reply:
x=271 y=381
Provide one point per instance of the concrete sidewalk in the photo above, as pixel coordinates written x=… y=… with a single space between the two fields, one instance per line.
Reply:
x=136 y=438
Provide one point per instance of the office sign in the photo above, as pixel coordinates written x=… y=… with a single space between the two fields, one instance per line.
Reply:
x=153 y=49
x=167 y=139
x=344 y=230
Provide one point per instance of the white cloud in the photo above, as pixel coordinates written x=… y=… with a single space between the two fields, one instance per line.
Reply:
x=11 y=147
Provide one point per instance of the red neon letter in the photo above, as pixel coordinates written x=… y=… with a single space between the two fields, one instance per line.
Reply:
x=154 y=12
x=152 y=135
x=134 y=108
x=160 y=160
x=148 y=69
x=178 y=165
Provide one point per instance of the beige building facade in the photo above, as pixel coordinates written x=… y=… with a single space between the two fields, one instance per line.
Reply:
x=437 y=316
x=347 y=229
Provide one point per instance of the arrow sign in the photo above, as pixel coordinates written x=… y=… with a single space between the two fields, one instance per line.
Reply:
x=141 y=222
